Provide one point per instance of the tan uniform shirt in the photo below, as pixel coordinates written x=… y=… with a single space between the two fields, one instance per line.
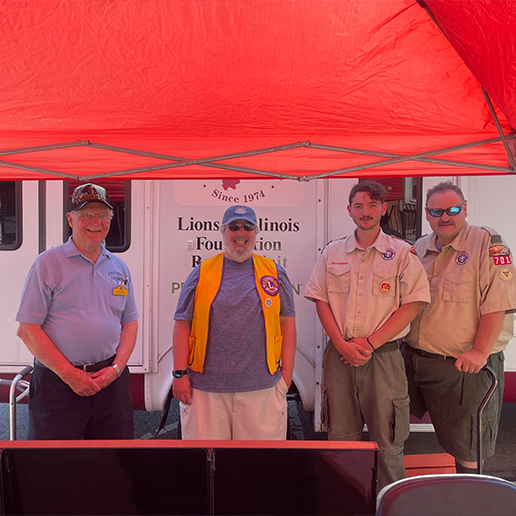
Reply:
x=470 y=277
x=364 y=287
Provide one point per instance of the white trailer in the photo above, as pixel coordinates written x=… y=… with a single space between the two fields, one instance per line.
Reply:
x=169 y=226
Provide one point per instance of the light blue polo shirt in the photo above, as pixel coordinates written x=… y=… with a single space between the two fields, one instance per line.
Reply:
x=73 y=301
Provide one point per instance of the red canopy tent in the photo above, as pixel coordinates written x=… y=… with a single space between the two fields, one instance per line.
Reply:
x=205 y=89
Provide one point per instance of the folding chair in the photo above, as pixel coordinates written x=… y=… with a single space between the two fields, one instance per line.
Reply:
x=448 y=495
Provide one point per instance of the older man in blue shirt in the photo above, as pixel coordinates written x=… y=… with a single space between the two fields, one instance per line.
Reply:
x=79 y=319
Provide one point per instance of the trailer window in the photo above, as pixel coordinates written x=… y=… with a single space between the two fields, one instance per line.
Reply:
x=10 y=215
x=119 y=236
x=403 y=204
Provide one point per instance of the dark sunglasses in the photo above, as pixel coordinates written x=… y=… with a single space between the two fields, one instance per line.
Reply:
x=453 y=210
x=235 y=226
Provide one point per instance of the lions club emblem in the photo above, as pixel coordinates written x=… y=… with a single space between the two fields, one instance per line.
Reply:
x=269 y=285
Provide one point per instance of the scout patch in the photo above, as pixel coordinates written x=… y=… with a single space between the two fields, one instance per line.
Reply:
x=413 y=251
x=499 y=250
x=462 y=258
x=502 y=260
x=385 y=287
x=505 y=273
x=121 y=291
x=500 y=254
x=269 y=285
x=389 y=254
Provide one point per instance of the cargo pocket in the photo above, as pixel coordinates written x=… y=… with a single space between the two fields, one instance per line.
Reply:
x=384 y=281
x=458 y=287
x=338 y=278
x=400 y=422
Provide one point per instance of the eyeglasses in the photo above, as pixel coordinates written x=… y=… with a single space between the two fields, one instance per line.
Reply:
x=235 y=226
x=89 y=216
x=438 y=212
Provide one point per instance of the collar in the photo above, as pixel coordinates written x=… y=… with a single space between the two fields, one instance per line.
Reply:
x=70 y=250
x=458 y=243
x=381 y=244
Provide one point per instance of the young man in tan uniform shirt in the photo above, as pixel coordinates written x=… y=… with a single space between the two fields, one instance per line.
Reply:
x=472 y=285
x=367 y=288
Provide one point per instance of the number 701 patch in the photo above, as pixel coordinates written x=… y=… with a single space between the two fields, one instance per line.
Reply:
x=502 y=260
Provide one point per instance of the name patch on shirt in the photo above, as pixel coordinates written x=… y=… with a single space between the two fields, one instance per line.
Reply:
x=389 y=254
x=505 y=273
x=269 y=285
x=121 y=291
x=462 y=258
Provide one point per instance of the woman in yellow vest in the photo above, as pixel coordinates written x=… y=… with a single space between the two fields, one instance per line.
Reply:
x=234 y=340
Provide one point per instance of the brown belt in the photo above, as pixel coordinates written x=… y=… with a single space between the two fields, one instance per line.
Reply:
x=89 y=368
x=427 y=354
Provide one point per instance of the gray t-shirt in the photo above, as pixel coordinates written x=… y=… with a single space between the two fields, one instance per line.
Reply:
x=236 y=358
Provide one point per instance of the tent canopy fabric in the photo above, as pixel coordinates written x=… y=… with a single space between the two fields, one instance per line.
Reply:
x=209 y=89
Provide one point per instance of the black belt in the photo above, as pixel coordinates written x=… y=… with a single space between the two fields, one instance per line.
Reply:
x=89 y=368
x=427 y=354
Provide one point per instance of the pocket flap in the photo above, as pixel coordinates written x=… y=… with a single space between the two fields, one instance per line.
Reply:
x=457 y=278
x=385 y=272
x=339 y=269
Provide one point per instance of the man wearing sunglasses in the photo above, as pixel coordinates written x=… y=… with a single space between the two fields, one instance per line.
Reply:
x=234 y=340
x=466 y=326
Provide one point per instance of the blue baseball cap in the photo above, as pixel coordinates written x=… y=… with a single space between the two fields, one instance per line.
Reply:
x=239 y=212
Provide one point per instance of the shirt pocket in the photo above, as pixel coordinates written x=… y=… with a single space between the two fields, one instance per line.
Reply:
x=117 y=302
x=458 y=287
x=384 y=281
x=339 y=278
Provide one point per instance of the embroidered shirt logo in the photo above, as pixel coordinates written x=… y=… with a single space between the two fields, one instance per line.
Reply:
x=505 y=273
x=385 y=287
x=499 y=250
x=269 y=285
x=462 y=258
x=389 y=254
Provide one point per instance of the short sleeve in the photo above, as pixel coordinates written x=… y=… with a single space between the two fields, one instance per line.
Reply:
x=413 y=281
x=317 y=286
x=286 y=294
x=185 y=303
x=36 y=296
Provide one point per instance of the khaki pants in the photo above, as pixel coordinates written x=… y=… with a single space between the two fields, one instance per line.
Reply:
x=255 y=415
x=376 y=394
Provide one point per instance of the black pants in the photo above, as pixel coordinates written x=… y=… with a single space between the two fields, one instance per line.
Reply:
x=56 y=412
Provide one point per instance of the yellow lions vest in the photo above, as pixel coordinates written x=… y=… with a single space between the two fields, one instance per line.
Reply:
x=210 y=276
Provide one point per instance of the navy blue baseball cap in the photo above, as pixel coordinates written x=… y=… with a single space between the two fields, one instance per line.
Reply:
x=239 y=212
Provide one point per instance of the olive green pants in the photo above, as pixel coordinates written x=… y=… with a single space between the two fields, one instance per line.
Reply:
x=376 y=394
x=452 y=399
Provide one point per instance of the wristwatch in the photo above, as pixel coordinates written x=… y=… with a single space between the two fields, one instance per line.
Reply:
x=179 y=373
x=117 y=370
